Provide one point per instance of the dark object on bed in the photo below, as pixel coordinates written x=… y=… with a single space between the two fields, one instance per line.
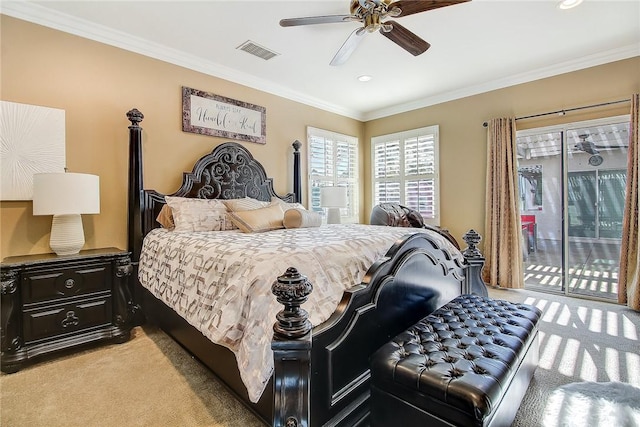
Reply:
x=396 y=215
x=469 y=363
x=321 y=377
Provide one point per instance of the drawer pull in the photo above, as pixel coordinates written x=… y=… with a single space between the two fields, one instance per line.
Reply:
x=69 y=283
x=70 y=320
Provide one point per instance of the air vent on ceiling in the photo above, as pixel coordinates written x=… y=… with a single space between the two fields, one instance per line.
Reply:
x=257 y=50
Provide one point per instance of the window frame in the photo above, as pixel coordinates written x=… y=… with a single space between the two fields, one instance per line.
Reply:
x=350 y=214
x=403 y=178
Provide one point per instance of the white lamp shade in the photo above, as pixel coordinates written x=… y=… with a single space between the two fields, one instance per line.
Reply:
x=333 y=197
x=65 y=194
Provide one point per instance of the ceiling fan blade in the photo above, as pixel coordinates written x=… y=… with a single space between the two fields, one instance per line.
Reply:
x=311 y=20
x=409 y=7
x=348 y=46
x=586 y=147
x=405 y=39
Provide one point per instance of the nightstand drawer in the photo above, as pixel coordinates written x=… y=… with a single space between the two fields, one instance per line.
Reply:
x=65 y=318
x=45 y=285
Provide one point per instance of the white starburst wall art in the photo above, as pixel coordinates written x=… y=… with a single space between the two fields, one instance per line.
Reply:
x=33 y=141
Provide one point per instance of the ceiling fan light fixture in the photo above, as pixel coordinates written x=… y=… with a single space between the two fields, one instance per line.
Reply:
x=568 y=4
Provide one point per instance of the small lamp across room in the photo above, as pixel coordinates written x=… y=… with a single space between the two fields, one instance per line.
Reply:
x=333 y=198
x=66 y=196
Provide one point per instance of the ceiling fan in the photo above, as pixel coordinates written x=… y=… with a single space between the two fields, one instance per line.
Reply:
x=592 y=148
x=371 y=14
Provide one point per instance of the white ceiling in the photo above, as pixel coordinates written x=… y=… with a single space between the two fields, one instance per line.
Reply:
x=475 y=47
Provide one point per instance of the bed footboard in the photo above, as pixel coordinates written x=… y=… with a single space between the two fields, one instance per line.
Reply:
x=327 y=383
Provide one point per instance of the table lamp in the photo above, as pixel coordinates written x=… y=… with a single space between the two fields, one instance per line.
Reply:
x=333 y=198
x=66 y=196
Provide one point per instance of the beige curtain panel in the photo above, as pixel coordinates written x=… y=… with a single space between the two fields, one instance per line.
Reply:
x=502 y=240
x=629 y=277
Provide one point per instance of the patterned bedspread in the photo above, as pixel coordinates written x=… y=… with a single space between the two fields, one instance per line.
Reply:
x=220 y=281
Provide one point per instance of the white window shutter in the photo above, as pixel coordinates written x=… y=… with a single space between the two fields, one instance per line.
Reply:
x=333 y=161
x=405 y=171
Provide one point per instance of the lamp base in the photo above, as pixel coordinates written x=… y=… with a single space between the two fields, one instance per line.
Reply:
x=67 y=234
x=333 y=215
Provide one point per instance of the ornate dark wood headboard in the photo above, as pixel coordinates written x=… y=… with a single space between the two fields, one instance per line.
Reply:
x=228 y=172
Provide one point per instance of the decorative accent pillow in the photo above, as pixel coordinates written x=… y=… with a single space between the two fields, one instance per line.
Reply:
x=301 y=218
x=165 y=218
x=256 y=220
x=228 y=223
x=197 y=214
x=287 y=205
x=244 y=204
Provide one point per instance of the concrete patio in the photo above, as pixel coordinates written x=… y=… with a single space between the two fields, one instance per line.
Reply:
x=592 y=268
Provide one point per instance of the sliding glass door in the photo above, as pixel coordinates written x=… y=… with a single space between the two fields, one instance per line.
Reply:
x=596 y=203
x=572 y=182
x=582 y=203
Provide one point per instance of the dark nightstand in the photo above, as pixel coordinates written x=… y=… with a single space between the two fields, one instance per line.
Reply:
x=52 y=303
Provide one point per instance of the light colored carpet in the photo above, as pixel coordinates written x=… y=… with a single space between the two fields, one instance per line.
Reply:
x=147 y=381
x=589 y=403
x=152 y=381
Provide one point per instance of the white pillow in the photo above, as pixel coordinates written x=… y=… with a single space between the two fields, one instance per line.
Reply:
x=197 y=214
x=287 y=205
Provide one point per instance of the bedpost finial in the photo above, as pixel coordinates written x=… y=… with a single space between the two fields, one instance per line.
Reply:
x=472 y=238
x=135 y=117
x=296 y=145
x=291 y=290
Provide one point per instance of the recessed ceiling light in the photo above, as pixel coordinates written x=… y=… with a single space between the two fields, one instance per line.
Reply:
x=364 y=78
x=568 y=4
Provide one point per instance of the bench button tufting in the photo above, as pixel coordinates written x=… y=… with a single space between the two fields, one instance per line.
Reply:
x=455 y=373
x=478 y=370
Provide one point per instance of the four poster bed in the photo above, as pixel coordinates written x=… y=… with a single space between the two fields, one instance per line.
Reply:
x=314 y=371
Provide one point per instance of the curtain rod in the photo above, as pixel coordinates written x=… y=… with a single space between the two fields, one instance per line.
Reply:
x=566 y=110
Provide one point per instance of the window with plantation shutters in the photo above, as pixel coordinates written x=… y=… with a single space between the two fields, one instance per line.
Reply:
x=333 y=161
x=405 y=171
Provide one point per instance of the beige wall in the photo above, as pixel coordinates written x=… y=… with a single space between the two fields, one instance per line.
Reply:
x=97 y=84
x=463 y=141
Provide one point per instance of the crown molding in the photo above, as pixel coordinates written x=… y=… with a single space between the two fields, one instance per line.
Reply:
x=43 y=16
x=605 y=57
x=53 y=19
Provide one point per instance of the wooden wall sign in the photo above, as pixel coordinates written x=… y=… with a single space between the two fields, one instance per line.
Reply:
x=209 y=114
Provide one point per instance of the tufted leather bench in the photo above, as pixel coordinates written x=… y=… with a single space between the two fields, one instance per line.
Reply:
x=469 y=363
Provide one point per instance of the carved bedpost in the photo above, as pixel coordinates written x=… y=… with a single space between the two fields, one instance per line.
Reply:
x=291 y=347
x=297 y=184
x=475 y=262
x=135 y=184
x=136 y=205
